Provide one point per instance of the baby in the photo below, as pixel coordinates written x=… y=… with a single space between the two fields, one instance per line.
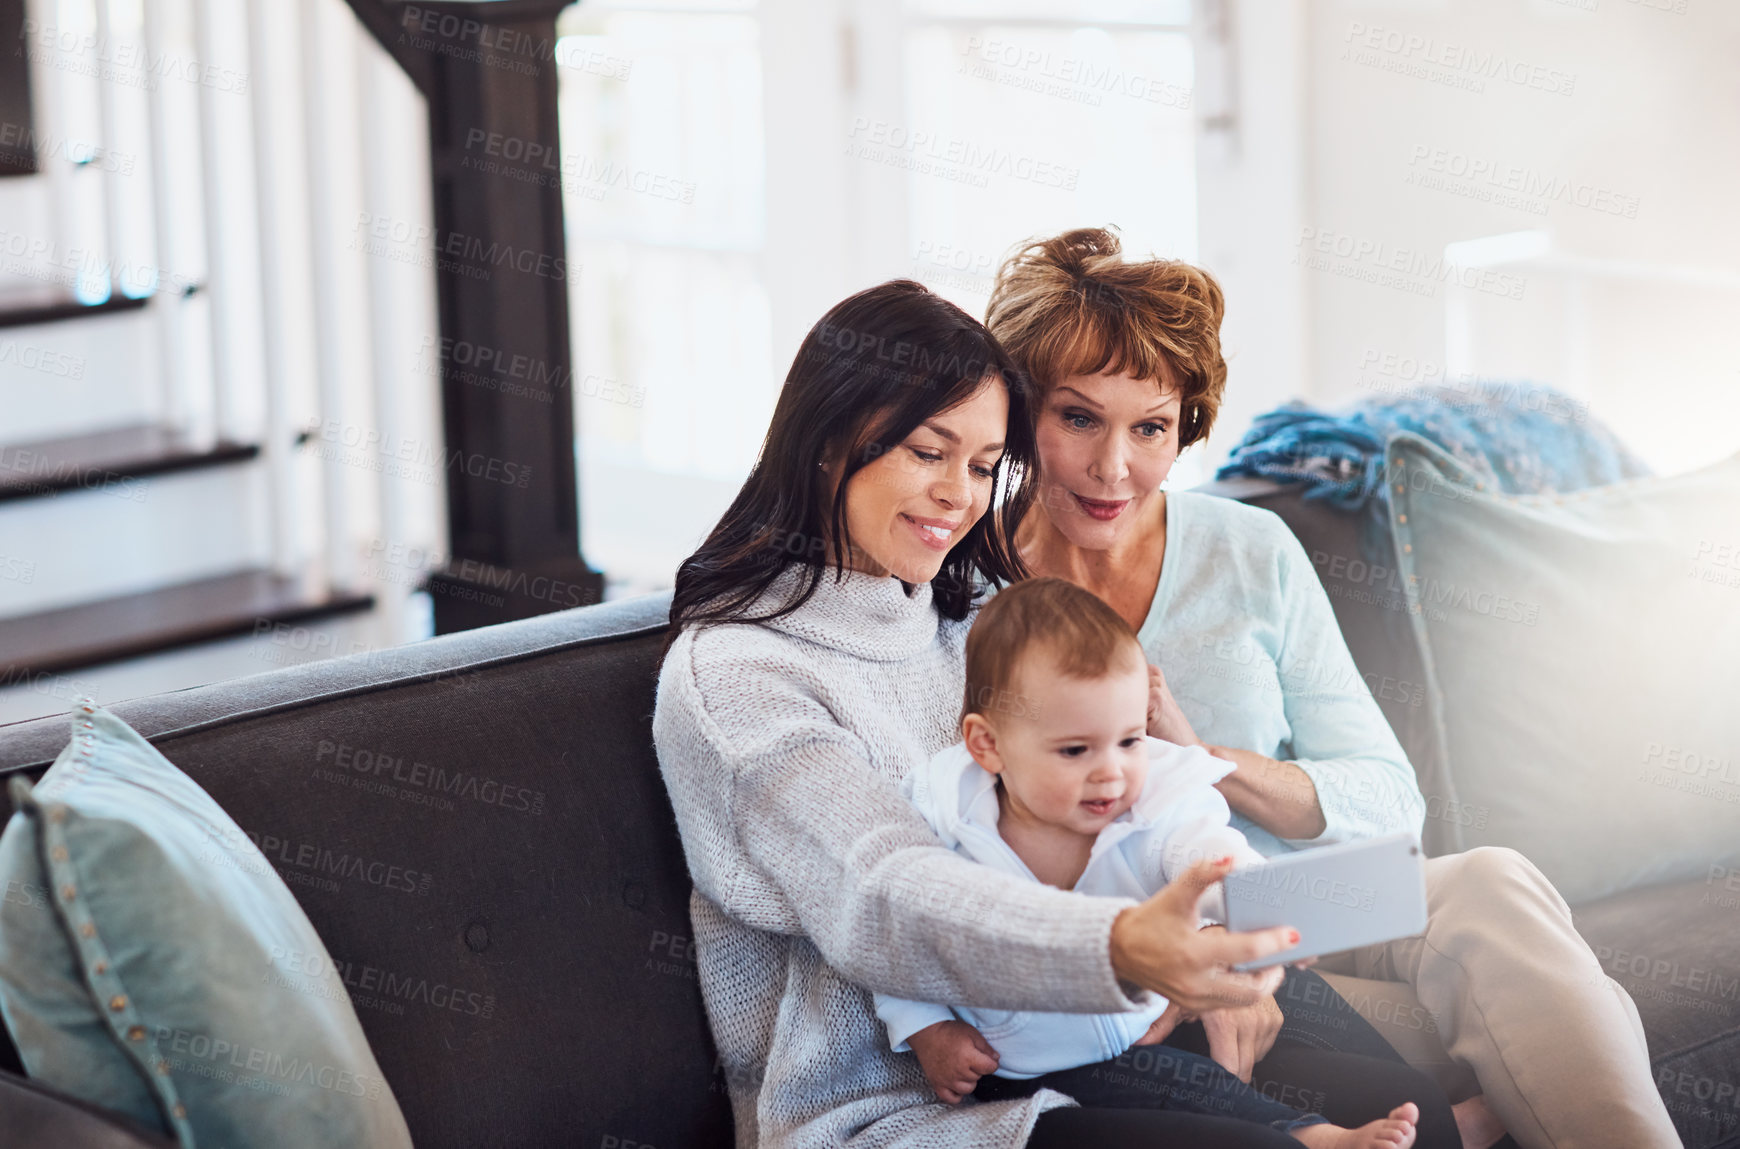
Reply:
x=1056 y=781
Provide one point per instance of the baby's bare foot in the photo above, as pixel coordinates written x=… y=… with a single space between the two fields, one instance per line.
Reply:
x=1393 y=1132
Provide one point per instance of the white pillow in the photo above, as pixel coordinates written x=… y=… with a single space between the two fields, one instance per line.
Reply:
x=1583 y=651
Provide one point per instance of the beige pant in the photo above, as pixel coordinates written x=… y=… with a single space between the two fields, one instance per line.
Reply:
x=1501 y=996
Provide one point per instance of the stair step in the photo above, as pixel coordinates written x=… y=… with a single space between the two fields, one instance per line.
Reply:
x=81 y=462
x=24 y=308
x=60 y=379
x=170 y=617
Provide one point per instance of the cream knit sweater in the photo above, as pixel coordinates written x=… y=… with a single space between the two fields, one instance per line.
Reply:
x=783 y=746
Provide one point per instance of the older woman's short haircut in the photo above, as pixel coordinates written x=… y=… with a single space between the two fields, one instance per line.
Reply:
x=1085 y=638
x=1072 y=305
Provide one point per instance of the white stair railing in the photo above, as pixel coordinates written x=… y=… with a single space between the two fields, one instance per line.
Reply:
x=266 y=347
x=272 y=222
x=169 y=303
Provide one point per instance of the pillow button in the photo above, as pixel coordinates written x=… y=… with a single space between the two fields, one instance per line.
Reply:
x=118 y=1002
x=58 y=853
x=101 y=967
x=136 y=1033
x=180 y=1112
x=88 y=930
x=69 y=892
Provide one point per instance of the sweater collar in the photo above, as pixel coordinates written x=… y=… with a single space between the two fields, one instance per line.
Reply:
x=870 y=616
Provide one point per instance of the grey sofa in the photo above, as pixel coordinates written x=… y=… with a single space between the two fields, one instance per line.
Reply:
x=554 y=910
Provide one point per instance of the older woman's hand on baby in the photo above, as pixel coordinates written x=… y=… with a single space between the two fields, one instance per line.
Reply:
x=1174 y=1016
x=1157 y=945
x=1165 y=720
x=1238 y=1038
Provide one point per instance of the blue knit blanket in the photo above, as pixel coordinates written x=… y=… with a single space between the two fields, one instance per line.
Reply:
x=1521 y=438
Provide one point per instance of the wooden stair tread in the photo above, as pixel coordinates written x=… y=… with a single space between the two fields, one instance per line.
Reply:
x=49 y=466
x=52 y=305
x=108 y=630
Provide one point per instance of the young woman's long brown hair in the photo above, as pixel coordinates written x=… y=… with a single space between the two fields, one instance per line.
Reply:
x=868 y=373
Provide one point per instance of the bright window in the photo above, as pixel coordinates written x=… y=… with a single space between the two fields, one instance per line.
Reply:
x=1037 y=125
x=949 y=128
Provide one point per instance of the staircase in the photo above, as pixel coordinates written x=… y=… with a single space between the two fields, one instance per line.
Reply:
x=208 y=365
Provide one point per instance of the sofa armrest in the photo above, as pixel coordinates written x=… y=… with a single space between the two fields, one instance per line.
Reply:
x=32 y=1114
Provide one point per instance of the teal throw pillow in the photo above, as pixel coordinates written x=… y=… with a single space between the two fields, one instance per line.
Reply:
x=152 y=962
x=1583 y=654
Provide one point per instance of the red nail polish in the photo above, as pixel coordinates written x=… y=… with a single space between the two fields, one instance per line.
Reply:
x=1292 y=937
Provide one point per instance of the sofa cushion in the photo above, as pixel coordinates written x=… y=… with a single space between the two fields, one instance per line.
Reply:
x=163 y=970
x=1581 y=665
x=1673 y=949
x=540 y=988
x=1693 y=1033
x=33 y=1114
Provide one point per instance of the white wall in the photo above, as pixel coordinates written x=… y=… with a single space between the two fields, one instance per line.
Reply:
x=1252 y=185
x=1626 y=104
x=1616 y=123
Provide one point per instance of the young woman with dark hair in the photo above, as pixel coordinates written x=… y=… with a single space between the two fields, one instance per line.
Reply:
x=868 y=375
x=817 y=660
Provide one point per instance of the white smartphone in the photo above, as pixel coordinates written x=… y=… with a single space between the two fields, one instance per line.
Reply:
x=1337 y=897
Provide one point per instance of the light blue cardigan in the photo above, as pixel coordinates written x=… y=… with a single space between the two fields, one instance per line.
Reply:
x=1248 y=642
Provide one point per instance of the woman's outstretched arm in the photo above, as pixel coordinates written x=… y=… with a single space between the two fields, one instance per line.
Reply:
x=788 y=827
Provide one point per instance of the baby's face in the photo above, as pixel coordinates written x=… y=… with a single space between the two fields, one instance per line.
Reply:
x=1081 y=761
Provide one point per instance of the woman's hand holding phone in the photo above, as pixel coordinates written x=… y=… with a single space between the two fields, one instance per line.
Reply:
x=1158 y=946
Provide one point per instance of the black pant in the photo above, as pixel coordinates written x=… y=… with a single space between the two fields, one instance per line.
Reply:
x=1149 y=1129
x=1313 y=1014
x=1163 y=1077
x=1326 y=1060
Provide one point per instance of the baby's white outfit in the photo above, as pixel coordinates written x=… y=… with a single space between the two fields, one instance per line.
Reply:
x=1179 y=819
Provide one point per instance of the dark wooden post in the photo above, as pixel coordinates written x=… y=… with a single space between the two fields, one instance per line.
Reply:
x=488 y=70
x=17 y=125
